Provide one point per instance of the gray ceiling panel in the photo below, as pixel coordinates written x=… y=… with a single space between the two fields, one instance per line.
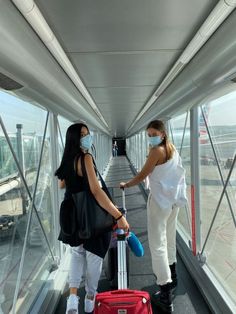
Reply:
x=111 y=25
x=121 y=95
x=120 y=116
x=132 y=106
x=122 y=50
x=123 y=69
x=119 y=119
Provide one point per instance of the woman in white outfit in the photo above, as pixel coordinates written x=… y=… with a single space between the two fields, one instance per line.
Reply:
x=167 y=194
x=87 y=255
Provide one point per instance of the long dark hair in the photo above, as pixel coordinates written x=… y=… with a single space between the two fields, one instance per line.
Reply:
x=160 y=126
x=72 y=148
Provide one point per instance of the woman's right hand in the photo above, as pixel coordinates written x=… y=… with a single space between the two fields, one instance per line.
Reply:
x=122 y=223
x=122 y=185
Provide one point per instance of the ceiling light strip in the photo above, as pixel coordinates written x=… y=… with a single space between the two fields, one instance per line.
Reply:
x=35 y=18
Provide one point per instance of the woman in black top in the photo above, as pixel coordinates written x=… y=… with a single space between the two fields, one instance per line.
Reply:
x=87 y=255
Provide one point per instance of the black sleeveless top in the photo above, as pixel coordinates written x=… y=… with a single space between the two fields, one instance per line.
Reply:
x=75 y=183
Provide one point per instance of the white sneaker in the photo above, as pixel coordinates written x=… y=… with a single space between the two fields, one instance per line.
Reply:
x=89 y=304
x=72 y=304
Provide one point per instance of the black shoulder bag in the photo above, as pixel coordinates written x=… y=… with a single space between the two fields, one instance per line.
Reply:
x=92 y=219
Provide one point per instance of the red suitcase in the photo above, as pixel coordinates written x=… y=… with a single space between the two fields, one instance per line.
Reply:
x=123 y=300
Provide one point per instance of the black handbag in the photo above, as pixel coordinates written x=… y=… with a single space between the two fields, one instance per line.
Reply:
x=92 y=219
x=67 y=217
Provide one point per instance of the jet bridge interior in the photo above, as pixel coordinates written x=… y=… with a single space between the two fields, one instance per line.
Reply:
x=117 y=65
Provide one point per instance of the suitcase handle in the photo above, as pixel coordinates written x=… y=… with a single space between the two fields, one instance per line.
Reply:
x=122 y=291
x=123 y=199
x=139 y=293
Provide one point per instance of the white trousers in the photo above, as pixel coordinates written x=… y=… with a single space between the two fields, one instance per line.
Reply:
x=84 y=263
x=162 y=239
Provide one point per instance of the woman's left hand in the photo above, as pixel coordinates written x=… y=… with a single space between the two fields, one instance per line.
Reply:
x=122 y=223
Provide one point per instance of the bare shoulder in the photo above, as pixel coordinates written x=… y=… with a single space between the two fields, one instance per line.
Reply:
x=154 y=154
x=157 y=151
x=158 y=154
x=160 y=149
x=88 y=160
x=88 y=157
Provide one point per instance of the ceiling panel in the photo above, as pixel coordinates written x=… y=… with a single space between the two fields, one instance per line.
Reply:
x=123 y=95
x=119 y=119
x=111 y=25
x=123 y=69
x=133 y=106
x=123 y=49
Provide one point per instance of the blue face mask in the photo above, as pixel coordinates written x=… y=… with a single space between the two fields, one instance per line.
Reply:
x=155 y=140
x=86 y=142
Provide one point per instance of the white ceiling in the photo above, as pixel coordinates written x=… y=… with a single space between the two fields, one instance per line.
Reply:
x=123 y=49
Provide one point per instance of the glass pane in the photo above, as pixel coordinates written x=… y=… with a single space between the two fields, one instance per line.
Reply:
x=11 y=236
x=220 y=246
x=15 y=204
x=181 y=139
x=37 y=261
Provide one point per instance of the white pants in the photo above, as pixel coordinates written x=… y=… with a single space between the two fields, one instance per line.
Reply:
x=162 y=239
x=85 y=263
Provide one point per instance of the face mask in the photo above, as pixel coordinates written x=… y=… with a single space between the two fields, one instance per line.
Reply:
x=86 y=142
x=155 y=140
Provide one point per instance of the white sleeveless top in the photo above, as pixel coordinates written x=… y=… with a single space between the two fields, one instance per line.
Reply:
x=167 y=183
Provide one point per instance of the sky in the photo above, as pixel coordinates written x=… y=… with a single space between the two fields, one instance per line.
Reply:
x=221 y=112
x=14 y=111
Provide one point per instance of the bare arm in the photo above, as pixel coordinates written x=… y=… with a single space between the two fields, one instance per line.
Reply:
x=148 y=167
x=100 y=195
x=61 y=184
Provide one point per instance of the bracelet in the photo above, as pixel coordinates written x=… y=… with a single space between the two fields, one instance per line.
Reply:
x=121 y=215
